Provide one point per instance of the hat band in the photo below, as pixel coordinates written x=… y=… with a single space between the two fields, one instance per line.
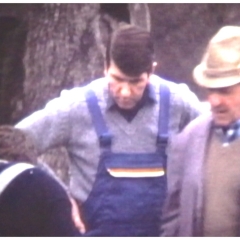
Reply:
x=210 y=73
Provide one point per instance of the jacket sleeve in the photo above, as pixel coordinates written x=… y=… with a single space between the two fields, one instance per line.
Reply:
x=175 y=171
x=34 y=204
x=46 y=168
x=57 y=208
x=192 y=107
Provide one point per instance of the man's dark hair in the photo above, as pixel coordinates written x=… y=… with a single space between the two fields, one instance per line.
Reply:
x=16 y=146
x=131 y=48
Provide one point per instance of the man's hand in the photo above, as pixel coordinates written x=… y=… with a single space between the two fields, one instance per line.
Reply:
x=76 y=216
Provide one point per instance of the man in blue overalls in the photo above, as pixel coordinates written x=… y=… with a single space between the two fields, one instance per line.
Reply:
x=116 y=131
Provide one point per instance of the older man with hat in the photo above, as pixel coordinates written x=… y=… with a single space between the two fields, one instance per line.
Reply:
x=204 y=164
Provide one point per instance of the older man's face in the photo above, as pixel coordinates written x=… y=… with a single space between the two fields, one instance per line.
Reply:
x=225 y=104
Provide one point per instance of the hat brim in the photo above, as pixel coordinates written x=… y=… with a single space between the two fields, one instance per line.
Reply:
x=202 y=80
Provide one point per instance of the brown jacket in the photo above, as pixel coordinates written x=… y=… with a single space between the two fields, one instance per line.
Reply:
x=183 y=206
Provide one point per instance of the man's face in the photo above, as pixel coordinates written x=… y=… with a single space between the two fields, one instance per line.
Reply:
x=126 y=90
x=225 y=104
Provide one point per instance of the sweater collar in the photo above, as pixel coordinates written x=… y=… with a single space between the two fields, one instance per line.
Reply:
x=149 y=97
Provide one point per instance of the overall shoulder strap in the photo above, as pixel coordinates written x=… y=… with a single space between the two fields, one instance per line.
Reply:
x=164 y=111
x=8 y=174
x=97 y=119
x=163 y=119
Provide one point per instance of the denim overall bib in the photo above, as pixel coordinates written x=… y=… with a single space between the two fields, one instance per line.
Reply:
x=127 y=205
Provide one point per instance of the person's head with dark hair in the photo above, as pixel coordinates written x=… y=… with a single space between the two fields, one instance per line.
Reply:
x=131 y=49
x=16 y=146
x=129 y=64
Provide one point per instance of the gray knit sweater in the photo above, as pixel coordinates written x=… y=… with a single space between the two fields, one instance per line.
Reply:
x=65 y=121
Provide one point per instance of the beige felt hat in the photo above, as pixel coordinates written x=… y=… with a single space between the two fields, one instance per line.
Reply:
x=220 y=66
